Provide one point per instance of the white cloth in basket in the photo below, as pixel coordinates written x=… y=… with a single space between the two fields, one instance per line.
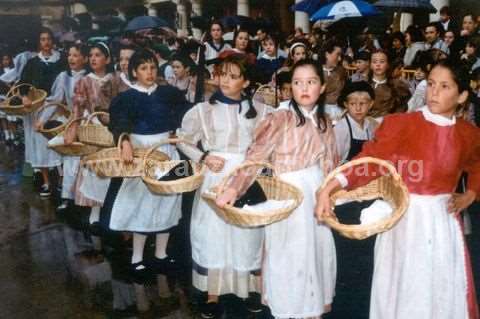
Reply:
x=379 y=210
x=268 y=205
x=57 y=140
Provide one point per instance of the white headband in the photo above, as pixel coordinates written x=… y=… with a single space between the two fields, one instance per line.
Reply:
x=297 y=44
x=105 y=46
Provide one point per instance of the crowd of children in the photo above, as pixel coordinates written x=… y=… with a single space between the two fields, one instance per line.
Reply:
x=326 y=112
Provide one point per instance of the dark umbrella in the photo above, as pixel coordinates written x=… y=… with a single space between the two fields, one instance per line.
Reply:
x=309 y=6
x=237 y=20
x=145 y=22
x=199 y=22
x=413 y=6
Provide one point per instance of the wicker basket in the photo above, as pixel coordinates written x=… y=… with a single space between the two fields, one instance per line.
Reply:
x=61 y=110
x=76 y=148
x=95 y=134
x=388 y=187
x=108 y=162
x=274 y=188
x=266 y=94
x=36 y=95
x=182 y=185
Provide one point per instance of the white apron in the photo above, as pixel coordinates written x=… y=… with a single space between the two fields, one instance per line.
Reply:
x=93 y=187
x=420 y=265
x=71 y=165
x=215 y=243
x=41 y=155
x=299 y=270
x=135 y=208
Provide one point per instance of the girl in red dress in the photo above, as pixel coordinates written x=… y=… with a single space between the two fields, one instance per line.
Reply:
x=422 y=268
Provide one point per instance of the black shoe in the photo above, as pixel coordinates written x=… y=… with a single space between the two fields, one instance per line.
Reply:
x=254 y=303
x=139 y=273
x=210 y=310
x=63 y=206
x=162 y=265
x=45 y=191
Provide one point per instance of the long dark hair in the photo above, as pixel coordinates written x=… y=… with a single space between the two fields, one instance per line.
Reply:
x=321 y=118
x=240 y=60
x=208 y=37
x=235 y=36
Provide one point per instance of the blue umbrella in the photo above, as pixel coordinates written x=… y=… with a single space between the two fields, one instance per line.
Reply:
x=145 y=22
x=309 y=6
x=345 y=9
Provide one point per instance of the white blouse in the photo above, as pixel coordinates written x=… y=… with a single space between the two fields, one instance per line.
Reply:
x=220 y=127
x=342 y=134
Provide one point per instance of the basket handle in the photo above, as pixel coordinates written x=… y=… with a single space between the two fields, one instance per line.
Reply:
x=223 y=183
x=156 y=145
x=15 y=88
x=95 y=114
x=46 y=105
x=364 y=160
x=263 y=86
x=73 y=121
x=119 y=143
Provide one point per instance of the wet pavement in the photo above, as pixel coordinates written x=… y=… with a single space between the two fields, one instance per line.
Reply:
x=49 y=267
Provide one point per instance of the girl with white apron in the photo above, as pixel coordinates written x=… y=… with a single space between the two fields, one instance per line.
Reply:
x=92 y=93
x=147 y=113
x=62 y=92
x=41 y=71
x=226 y=258
x=422 y=266
x=299 y=266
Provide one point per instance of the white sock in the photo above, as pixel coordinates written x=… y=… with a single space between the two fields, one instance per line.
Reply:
x=94 y=215
x=161 y=242
x=138 y=246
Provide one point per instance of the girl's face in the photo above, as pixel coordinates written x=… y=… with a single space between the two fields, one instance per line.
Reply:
x=470 y=50
x=442 y=94
x=358 y=104
x=232 y=82
x=269 y=47
x=379 y=64
x=125 y=55
x=146 y=74
x=397 y=44
x=216 y=32
x=334 y=58
x=420 y=75
x=408 y=39
x=241 y=41
x=468 y=24
x=46 y=42
x=362 y=65
x=449 y=37
x=98 y=60
x=298 y=54
x=179 y=70
x=286 y=91
x=306 y=86
x=6 y=61
x=76 y=61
